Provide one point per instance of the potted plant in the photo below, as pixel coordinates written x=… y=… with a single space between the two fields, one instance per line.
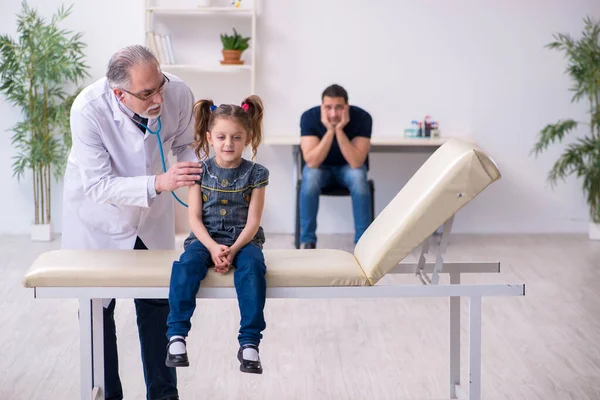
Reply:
x=582 y=157
x=34 y=70
x=233 y=47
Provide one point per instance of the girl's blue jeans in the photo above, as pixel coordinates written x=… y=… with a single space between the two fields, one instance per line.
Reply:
x=250 y=285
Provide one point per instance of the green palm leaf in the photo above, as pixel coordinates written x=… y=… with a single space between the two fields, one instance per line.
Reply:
x=581 y=158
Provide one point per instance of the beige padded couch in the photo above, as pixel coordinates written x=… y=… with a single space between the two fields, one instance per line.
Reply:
x=448 y=180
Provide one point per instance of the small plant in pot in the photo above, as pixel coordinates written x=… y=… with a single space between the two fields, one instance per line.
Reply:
x=233 y=47
x=581 y=158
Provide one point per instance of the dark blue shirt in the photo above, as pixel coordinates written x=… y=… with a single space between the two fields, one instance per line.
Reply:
x=360 y=124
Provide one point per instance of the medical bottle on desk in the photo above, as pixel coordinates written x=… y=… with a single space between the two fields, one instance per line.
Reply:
x=435 y=130
x=415 y=127
x=412 y=130
x=427 y=126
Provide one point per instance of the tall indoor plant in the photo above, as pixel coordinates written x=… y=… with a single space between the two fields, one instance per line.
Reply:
x=35 y=69
x=582 y=157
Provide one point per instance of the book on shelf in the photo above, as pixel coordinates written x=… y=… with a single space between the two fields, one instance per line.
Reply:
x=161 y=46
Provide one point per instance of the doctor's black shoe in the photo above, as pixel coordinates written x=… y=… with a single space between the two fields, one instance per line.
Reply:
x=308 y=245
x=176 y=360
x=249 y=366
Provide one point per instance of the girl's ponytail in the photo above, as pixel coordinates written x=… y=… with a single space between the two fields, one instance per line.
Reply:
x=253 y=105
x=202 y=113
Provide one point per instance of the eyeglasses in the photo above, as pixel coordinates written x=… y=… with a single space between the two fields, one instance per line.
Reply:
x=161 y=90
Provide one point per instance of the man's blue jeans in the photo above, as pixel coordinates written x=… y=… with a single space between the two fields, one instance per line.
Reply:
x=250 y=285
x=314 y=179
x=161 y=381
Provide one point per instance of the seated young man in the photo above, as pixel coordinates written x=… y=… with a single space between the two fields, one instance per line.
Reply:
x=335 y=141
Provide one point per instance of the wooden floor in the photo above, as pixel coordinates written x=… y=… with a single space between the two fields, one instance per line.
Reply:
x=541 y=346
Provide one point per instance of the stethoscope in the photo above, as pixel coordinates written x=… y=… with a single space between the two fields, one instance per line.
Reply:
x=160 y=148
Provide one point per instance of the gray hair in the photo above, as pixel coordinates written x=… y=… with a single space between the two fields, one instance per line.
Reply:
x=122 y=61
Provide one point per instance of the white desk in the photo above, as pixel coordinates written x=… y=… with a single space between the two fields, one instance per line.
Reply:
x=379 y=144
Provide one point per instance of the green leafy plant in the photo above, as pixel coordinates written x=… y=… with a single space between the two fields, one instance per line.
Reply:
x=235 y=41
x=582 y=157
x=35 y=68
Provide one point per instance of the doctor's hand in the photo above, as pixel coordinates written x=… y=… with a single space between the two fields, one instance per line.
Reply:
x=180 y=174
x=219 y=255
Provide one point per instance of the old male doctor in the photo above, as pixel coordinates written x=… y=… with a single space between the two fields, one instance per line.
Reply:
x=116 y=195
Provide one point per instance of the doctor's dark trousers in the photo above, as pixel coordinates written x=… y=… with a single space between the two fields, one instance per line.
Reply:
x=161 y=381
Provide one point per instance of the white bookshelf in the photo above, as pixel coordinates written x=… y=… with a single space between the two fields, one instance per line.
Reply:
x=200 y=10
x=206 y=68
x=185 y=10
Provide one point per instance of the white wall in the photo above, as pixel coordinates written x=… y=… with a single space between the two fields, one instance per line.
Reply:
x=478 y=67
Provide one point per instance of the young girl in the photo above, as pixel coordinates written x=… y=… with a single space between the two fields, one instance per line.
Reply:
x=225 y=209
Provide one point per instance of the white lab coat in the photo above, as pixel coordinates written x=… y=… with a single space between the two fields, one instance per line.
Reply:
x=109 y=195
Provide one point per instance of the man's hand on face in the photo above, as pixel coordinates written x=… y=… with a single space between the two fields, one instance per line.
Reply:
x=324 y=120
x=345 y=119
x=180 y=174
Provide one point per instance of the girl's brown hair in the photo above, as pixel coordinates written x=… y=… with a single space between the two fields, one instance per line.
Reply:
x=249 y=115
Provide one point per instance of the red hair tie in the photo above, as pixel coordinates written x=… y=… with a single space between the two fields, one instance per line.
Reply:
x=245 y=107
